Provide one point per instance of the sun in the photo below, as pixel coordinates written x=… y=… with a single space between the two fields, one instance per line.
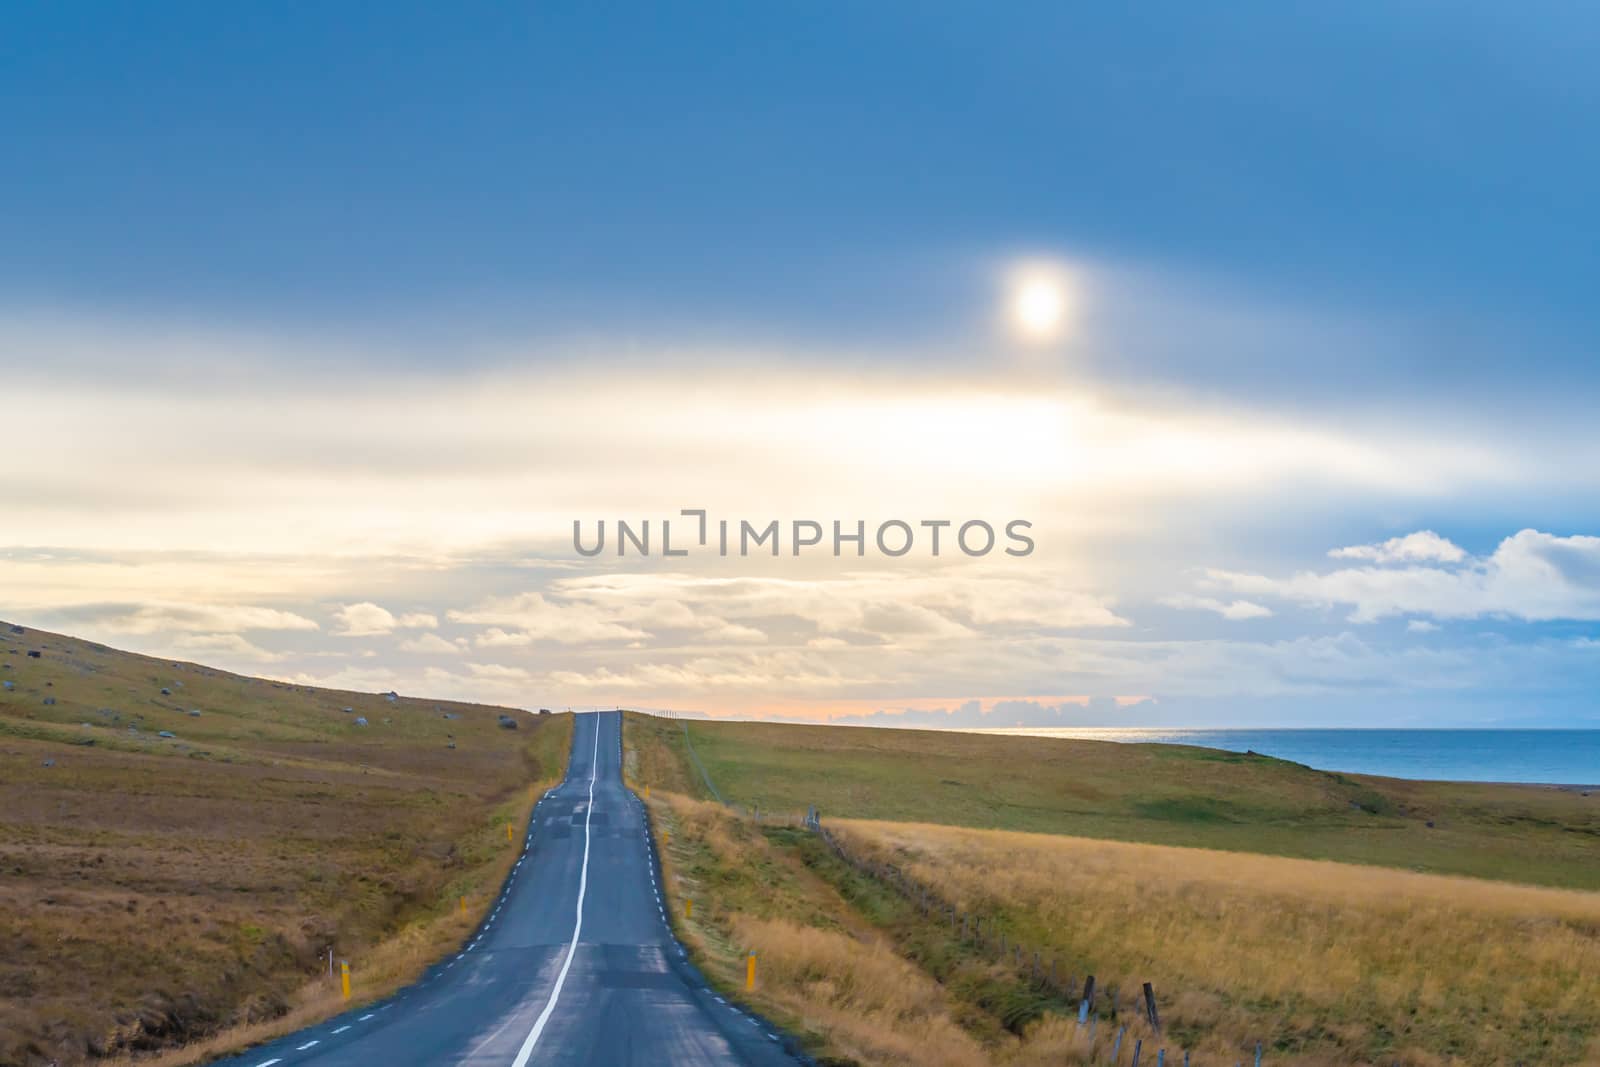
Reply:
x=1039 y=304
x=1039 y=307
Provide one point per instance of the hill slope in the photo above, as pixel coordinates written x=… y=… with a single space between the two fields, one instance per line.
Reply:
x=182 y=846
x=1161 y=794
x=941 y=934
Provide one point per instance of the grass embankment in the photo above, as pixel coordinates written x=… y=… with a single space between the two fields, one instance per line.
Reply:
x=1325 y=963
x=844 y=964
x=184 y=891
x=1161 y=794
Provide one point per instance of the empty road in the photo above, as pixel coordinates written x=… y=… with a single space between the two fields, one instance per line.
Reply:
x=574 y=965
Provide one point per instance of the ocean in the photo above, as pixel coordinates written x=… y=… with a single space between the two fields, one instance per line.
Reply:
x=1555 y=757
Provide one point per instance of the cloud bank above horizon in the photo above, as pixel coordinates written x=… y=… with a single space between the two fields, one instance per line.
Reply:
x=415 y=533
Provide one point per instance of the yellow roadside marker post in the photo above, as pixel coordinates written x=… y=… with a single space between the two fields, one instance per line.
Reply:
x=463 y=905
x=688 y=909
x=508 y=832
x=344 y=977
x=750 y=971
x=647 y=792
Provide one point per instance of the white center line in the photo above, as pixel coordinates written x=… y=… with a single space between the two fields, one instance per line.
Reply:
x=342 y=1029
x=365 y=1017
x=308 y=1044
x=267 y=1063
x=577 y=926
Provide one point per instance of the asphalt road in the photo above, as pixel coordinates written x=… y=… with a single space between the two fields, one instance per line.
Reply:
x=574 y=965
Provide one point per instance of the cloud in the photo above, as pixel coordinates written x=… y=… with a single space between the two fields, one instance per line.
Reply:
x=430 y=645
x=232 y=647
x=363 y=620
x=824 y=643
x=953 y=602
x=1531 y=576
x=1235 y=610
x=367 y=619
x=288 y=471
x=146 y=619
x=495 y=637
x=1421 y=626
x=1422 y=546
x=499 y=672
x=537 y=618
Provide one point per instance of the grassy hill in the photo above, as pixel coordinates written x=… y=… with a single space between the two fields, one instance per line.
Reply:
x=181 y=846
x=1322 y=963
x=1162 y=794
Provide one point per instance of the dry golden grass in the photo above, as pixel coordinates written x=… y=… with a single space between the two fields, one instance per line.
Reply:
x=158 y=892
x=843 y=987
x=1328 y=963
x=824 y=971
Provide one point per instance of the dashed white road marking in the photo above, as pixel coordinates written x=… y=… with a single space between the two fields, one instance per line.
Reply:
x=267 y=1063
x=342 y=1029
x=365 y=1017
x=308 y=1044
x=577 y=925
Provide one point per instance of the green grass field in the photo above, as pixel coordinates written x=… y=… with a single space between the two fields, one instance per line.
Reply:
x=163 y=890
x=1162 y=794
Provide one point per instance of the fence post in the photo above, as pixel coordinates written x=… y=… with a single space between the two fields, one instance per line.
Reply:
x=1150 y=1007
x=1138 y=1049
x=1258 y=1054
x=1086 y=1005
x=1116 y=1049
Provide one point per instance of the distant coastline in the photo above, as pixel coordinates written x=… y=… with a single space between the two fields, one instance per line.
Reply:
x=1550 y=758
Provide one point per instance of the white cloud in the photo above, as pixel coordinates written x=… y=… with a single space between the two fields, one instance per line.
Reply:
x=495 y=637
x=231 y=647
x=1421 y=626
x=1531 y=576
x=430 y=645
x=418 y=620
x=146 y=619
x=363 y=620
x=499 y=672
x=1422 y=546
x=953 y=602
x=538 y=618
x=1235 y=610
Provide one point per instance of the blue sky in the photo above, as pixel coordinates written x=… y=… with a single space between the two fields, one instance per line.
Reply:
x=1332 y=282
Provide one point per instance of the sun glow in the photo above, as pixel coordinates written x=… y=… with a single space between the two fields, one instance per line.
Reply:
x=1040 y=303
